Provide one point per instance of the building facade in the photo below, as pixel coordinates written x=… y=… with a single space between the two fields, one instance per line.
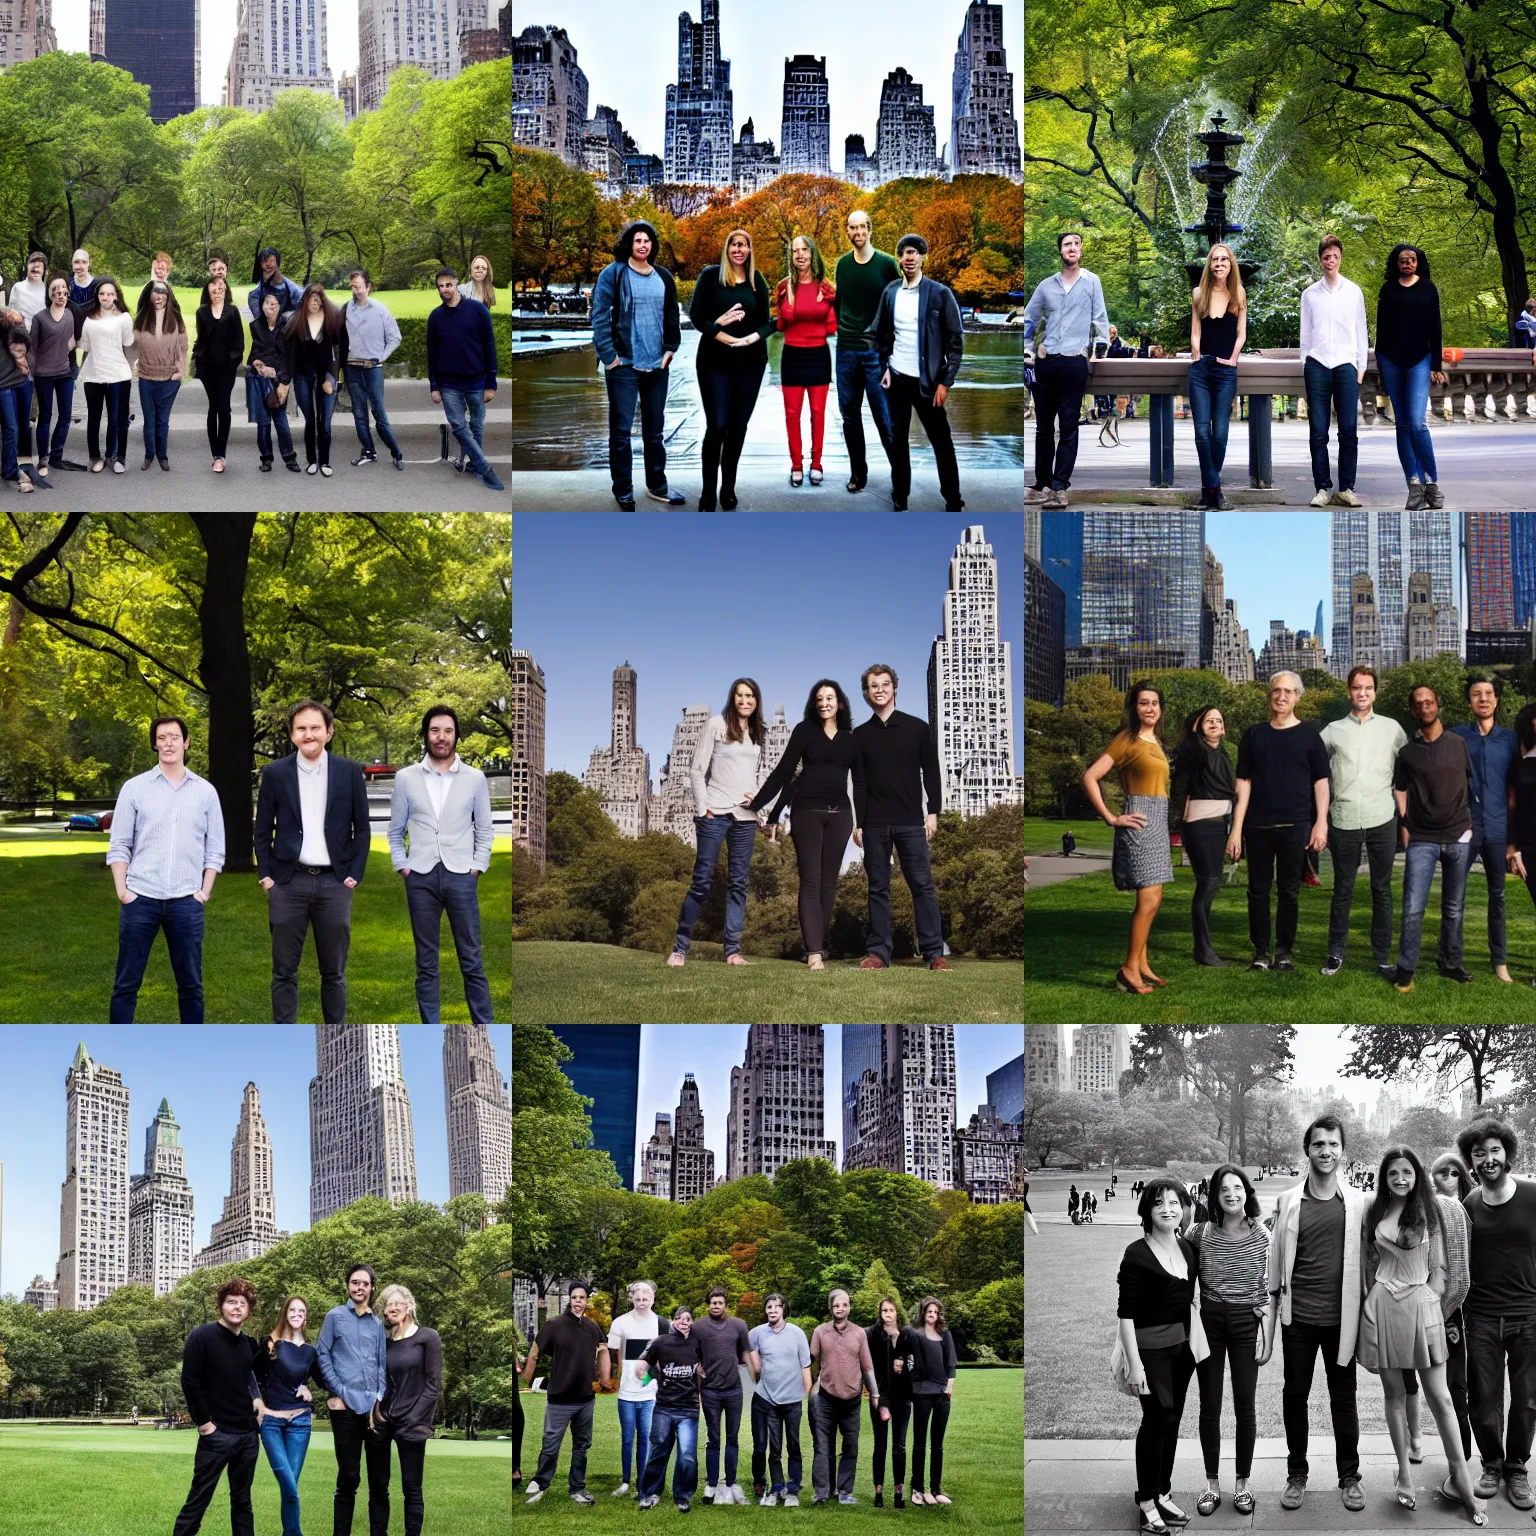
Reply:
x=785 y=1089
x=346 y=94
x=160 y=1209
x=1231 y=655
x=738 y=1124
x=602 y=151
x=605 y=1067
x=549 y=90
x=910 y=1126
x=989 y=1158
x=159 y=43
x=904 y=137
x=93 y=1203
x=656 y=1161
x=984 y=133
x=859 y=167
x=26 y=30
x=1142 y=578
x=620 y=774
x=248 y=1227
x=754 y=162
x=479 y=1114
x=423 y=33
x=1045 y=636
x=671 y=807
x=1100 y=1053
x=805 y=143
x=1047 y=1057
x=42 y=1294
x=1389 y=547
x=276 y=48
x=1005 y=1090
x=530 y=811
x=862 y=1053
x=360 y=1137
x=1364 y=632
x=1061 y=557
x=1290 y=651
x=693 y=1164
x=699 y=112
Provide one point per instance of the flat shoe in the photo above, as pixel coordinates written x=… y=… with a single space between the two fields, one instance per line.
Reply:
x=1243 y=1502
x=1208 y=1503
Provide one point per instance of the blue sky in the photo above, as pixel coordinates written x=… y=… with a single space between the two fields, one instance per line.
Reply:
x=203 y=1071
x=692 y=603
x=1276 y=565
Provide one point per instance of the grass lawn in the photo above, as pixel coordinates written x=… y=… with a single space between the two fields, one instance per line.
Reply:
x=62 y=1481
x=562 y=983
x=1042 y=834
x=983 y=1470
x=58 y=913
x=400 y=302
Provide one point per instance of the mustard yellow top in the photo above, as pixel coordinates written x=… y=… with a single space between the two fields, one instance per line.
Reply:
x=1143 y=765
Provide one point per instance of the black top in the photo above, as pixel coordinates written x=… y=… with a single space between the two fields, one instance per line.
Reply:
x=1218 y=334
x=824 y=779
x=884 y=1351
x=220 y=343
x=1438 y=777
x=574 y=1342
x=1201 y=772
x=1281 y=766
x=1149 y=1295
x=678 y=1363
x=1522 y=826
x=292 y=1366
x=932 y=1361
x=893 y=762
x=1502 y=1254
x=722 y=1347
x=315 y=357
x=270 y=347
x=1408 y=323
x=711 y=298
x=415 y=1383
x=1317 y=1272
x=216 y=1370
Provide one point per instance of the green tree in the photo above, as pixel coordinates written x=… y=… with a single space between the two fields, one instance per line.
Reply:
x=979 y=1244
x=876 y=1285
x=809 y=1193
x=996 y=1314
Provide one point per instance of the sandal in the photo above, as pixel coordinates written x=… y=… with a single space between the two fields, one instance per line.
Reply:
x=1208 y=1503
x=1123 y=983
x=1152 y=1525
x=1407 y=1500
x=1243 y=1502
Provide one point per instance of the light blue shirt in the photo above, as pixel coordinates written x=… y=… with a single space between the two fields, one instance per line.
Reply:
x=648 y=297
x=352 y=1357
x=167 y=834
x=785 y=1354
x=371 y=330
x=1074 y=317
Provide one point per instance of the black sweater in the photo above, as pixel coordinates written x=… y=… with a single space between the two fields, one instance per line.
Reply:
x=220 y=343
x=415 y=1383
x=269 y=347
x=311 y=357
x=1408 y=323
x=933 y=1361
x=1149 y=1295
x=893 y=761
x=711 y=299
x=1201 y=772
x=827 y=760
x=216 y=1371
x=895 y=1386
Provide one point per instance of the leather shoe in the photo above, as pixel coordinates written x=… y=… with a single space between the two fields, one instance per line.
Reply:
x=626 y=503
x=873 y=963
x=941 y=964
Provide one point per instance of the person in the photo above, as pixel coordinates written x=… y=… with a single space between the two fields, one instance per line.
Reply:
x=165 y=852
x=891 y=1411
x=781 y=1366
x=807 y=313
x=54 y=332
x=29 y=295
x=440 y=843
x=1282 y=792
x=1493 y=751
x=574 y=1340
x=1525 y=324
x=1520 y=854
x=862 y=275
x=286 y=1417
x=730 y=311
x=1453 y=1184
x=1362 y=750
x=1401 y=1323
x=218 y=266
x=1314 y=1289
x=627 y=1339
x=160 y=334
x=895 y=761
x=15 y=399
x=723 y=774
x=841 y=1353
x=932 y=1352
x=518 y=1423
x=414 y=1368
x=267 y=275
x=1432 y=784
x=267 y=379
x=675 y=1360
x=105 y=336
x=1033 y=1225
x=216 y=357
x=812 y=774
x=1218 y=328
x=1073 y=1201
x=352 y=1354
x=482 y=281
x=1070 y=303
x=1408 y=355
x=635 y=333
x=723 y=1348
x=1068 y=844
x=316 y=338
x=311 y=840
x=1334 y=349
x=218 y=1365
x=461 y=370
x=1141 y=860
x=1203 y=789
x=159 y=272
x=372 y=336
x=922 y=343
x=82 y=288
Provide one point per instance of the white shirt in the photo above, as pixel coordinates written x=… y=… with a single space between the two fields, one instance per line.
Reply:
x=438 y=784
x=627 y=1337
x=1333 y=324
x=104 y=343
x=28 y=299
x=904 y=355
x=313 y=784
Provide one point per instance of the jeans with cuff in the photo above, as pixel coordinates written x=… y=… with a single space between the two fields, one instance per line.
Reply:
x=366 y=387
x=739 y=837
x=1454 y=860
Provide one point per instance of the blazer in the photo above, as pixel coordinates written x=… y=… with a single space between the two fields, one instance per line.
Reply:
x=940 y=334
x=280 y=825
x=461 y=842
x=1282 y=1259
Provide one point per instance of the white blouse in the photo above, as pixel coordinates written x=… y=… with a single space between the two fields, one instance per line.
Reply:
x=104 y=343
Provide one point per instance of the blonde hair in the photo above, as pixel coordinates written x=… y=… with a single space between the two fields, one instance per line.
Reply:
x=486 y=291
x=393 y=1293
x=727 y=272
x=1237 y=298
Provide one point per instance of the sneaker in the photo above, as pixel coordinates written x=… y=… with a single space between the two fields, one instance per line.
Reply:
x=399 y=462
x=1283 y=961
x=1333 y=967
x=1347 y=499
x=1403 y=980
x=1319 y=500
x=1487 y=1482
x=738 y=1494
x=708 y=1495
x=939 y=964
x=327 y=471
x=1259 y=962
x=1458 y=973
x=118 y=467
x=626 y=503
x=846 y=1498
x=582 y=1498
x=620 y=1491
x=768 y=1500
x=1352 y=1493
x=683 y=1506
x=1054 y=501
x=1387 y=972
x=1310 y=879
x=311 y=469
x=535 y=1493
x=1415 y=500
x=650 y=1503
x=1518 y=1486
x=492 y=479
x=1295 y=1491
x=1433 y=495
x=879 y=1499
x=364 y=458
x=791 y=1501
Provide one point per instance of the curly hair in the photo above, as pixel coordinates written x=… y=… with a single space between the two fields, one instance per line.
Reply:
x=237 y=1287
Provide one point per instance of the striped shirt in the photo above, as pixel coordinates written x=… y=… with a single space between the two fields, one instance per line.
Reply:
x=167 y=834
x=1232 y=1268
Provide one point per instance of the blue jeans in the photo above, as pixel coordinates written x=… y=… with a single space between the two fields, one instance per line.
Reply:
x=15 y=424
x=739 y=836
x=465 y=410
x=625 y=387
x=138 y=921
x=156 y=396
x=1454 y=860
x=366 y=386
x=858 y=379
x=286 y=1441
x=668 y=1425
x=912 y=851
x=1408 y=390
x=715 y=1403
x=1491 y=855
x=634 y=1426
x=256 y=389
x=1339 y=388
x=318 y=408
x=428 y=896
x=50 y=391
x=1212 y=388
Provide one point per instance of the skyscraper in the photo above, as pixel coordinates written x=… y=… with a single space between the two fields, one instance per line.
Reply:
x=904 y=139
x=1061 y=556
x=1101 y=1053
x=620 y=774
x=861 y=1054
x=160 y=1209
x=1005 y=1090
x=656 y=1161
x=913 y=1119
x=784 y=1064
x=159 y=43
x=423 y=33
x=984 y=133
x=26 y=30
x=1045 y=635
x=42 y=1294
x=671 y=807
x=1142 y=576
x=93 y=1204
x=530 y=812
x=699 y=112
x=549 y=92
x=989 y=1158
x=605 y=1067
x=479 y=1114
x=276 y=48
x=693 y=1164
x=1047 y=1056
x=859 y=166
x=805 y=132
x=738 y=1124
x=248 y=1227
x=360 y=1137
x=1389 y=547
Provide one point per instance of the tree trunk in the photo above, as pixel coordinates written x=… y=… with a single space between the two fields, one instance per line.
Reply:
x=1495 y=177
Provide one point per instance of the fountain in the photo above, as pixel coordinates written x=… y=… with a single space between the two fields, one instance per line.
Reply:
x=1216 y=175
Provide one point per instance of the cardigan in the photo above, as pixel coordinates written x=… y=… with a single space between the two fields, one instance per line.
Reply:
x=1151 y=1297
x=1282 y=1259
x=1456 y=1228
x=884 y=1351
x=315 y=357
x=722 y=772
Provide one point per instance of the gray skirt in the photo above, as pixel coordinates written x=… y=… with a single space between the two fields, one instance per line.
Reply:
x=1143 y=857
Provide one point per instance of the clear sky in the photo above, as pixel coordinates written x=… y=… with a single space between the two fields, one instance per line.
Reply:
x=785 y=598
x=629 y=55
x=202 y=1070
x=1275 y=565
x=1320 y=1051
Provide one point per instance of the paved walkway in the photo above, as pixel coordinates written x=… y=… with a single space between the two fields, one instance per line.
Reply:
x=1052 y=868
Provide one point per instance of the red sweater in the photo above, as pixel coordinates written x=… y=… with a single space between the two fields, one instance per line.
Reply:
x=809 y=322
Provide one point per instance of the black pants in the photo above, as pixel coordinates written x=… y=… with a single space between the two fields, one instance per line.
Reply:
x=1456 y=1378
x=911 y=846
x=906 y=395
x=219 y=387
x=1272 y=849
x=896 y=1431
x=930 y=1417
x=413 y=1456
x=1232 y=1332
x=1205 y=842
x=1300 y=1345
x=1495 y=1344
x=325 y=902
x=1059 y=386
x=223 y=1448
x=821 y=834
x=832 y=1416
x=517 y=1430
x=714 y=1404
x=353 y=1439
x=1162 y=1407
x=1380 y=844
x=729 y=400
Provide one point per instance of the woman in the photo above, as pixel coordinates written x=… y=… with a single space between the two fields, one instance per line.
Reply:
x=1453 y=1184
x=267 y=377
x=415 y=1364
x=805 y=298
x=1204 y=787
x=106 y=333
x=1142 y=861
x=15 y=398
x=677 y=1361
x=55 y=331
x=1218 y=328
x=1520 y=854
x=724 y=774
x=161 y=336
x=888 y=1351
x=1408 y=359
x=317 y=358
x=730 y=312
x=1402 y=1326
x=818 y=759
x=1234 y=1251
x=932 y=1354
x=517 y=1420
x=482 y=282
x=1157 y=1293
x=216 y=357
x=1029 y=1215
x=287 y=1421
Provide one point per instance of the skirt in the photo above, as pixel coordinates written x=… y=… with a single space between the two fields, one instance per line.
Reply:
x=1144 y=857
x=799 y=366
x=1402 y=1332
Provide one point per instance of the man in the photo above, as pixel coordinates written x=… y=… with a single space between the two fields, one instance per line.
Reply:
x=311 y=850
x=725 y=1348
x=159 y=272
x=444 y=807
x=1282 y=792
x=218 y=266
x=30 y=297
x=841 y=1351
x=82 y=288
x=217 y=1366
x=1494 y=750
x=894 y=759
x=1362 y=749
x=1500 y=1309
x=350 y=1355
x=674 y=1361
x=922 y=342
x=1525 y=325
x=1334 y=346
x=573 y=1340
x=461 y=369
x=166 y=850
x=627 y=1339
x=267 y=275
x=1314 y=1285
x=781 y=1366
x=372 y=335
x=862 y=275
x=1432 y=784
x=1071 y=305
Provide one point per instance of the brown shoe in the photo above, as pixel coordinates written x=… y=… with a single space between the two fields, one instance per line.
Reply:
x=872 y=963
x=941 y=964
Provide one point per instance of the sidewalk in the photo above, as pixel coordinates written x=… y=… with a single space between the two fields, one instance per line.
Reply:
x=1052 y=868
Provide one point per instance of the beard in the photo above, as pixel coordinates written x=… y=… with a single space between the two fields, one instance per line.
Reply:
x=1491 y=1173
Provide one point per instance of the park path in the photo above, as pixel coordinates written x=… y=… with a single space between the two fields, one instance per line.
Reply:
x=1052 y=868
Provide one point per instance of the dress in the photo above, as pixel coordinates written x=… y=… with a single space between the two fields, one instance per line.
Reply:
x=1401 y=1327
